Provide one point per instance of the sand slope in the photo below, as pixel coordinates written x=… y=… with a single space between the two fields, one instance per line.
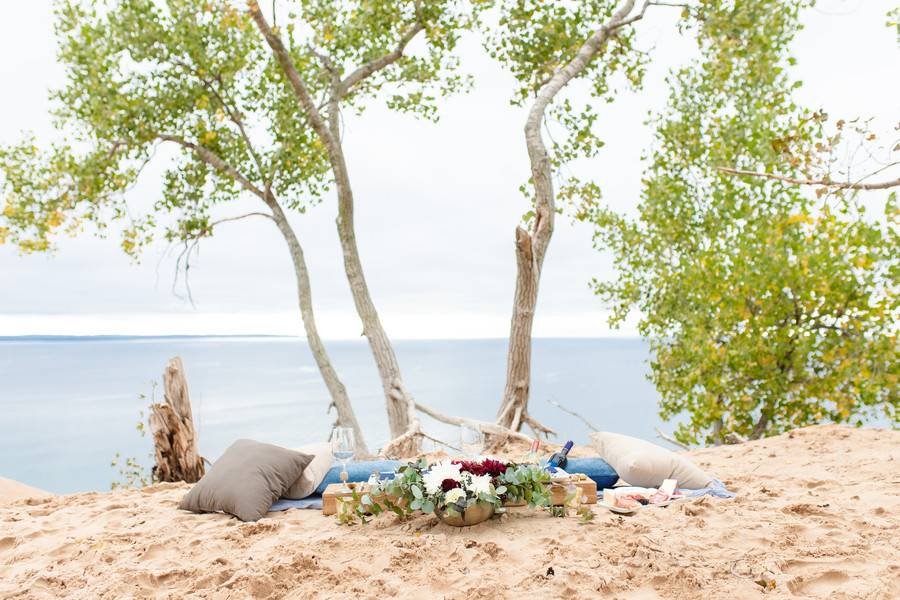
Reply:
x=10 y=491
x=816 y=517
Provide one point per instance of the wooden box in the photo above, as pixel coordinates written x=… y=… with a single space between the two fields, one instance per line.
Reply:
x=559 y=489
x=335 y=493
x=336 y=490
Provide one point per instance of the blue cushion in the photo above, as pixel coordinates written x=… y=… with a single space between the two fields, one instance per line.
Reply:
x=594 y=467
x=357 y=471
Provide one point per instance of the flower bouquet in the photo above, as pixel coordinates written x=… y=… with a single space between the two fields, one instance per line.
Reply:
x=459 y=492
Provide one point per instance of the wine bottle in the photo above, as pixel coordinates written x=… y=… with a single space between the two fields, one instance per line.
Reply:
x=531 y=457
x=559 y=459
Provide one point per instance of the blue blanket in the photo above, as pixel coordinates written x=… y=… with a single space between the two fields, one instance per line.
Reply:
x=594 y=467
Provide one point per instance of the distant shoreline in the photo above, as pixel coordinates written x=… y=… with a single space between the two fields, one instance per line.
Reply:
x=115 y=338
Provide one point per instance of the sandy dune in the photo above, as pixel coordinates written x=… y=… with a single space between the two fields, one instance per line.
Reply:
x=11 y=491
x=816 y=517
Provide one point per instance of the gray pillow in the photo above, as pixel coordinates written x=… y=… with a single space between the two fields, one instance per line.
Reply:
x=246 y=480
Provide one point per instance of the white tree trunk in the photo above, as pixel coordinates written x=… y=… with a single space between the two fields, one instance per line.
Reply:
x=339 y=399
x=532 y=247
x=399 y=402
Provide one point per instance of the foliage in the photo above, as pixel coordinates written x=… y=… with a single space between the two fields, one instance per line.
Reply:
x=450 y=487
x=197 y=77
x=131 y=472
x=767 y=308
x=533 y=39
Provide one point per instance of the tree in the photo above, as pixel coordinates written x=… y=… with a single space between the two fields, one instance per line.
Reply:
x=766 y=307
x=189 y=75
x=346 y=53
x=546 y=46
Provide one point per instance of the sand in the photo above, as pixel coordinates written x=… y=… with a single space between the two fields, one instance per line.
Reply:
x=816 y=516
x=13 y=490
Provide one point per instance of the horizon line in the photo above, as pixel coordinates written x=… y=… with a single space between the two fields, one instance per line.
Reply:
x=67 y=337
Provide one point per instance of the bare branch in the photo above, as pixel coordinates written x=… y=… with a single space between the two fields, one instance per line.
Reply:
x=483 y=426
x=822 y=182
x=573 y=413
x=382 y=62
x=239 y=217
x=670 y=439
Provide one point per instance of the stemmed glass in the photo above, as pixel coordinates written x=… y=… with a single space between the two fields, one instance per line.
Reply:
x=471 y=441
x=343 y=447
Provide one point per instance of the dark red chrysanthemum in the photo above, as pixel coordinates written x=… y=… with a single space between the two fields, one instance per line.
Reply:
x=494 y=468
x=449 y=484
x=488 y=466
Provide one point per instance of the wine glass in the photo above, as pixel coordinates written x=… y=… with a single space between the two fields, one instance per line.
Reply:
x=471 y=441
x=343 y=447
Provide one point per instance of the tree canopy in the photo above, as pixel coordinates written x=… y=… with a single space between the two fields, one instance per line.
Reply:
x=767 y=307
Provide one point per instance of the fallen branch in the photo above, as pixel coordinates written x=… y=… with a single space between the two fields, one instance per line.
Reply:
x=670 y=439
x=484 y=427
x=407 y=445
x=573 y=413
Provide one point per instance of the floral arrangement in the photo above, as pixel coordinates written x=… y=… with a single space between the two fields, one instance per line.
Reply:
x=451 y=486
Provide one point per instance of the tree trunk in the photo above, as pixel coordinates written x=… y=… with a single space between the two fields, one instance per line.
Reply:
x=531 y=248
x=339 y=399
x=172 y=427
x=518 y=364
x=400 y=403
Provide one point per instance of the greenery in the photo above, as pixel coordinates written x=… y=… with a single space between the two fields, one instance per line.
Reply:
x=767 y=307
x=449 y=487
x=197 y=78
x=532 y=39
x=132 y=474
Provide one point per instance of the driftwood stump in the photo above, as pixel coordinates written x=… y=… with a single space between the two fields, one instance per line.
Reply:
x=172 y=426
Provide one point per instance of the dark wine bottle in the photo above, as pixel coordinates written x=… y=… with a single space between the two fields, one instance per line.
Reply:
x=559 y=459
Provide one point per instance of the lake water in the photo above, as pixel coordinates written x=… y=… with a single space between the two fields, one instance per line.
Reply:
x=68 y=405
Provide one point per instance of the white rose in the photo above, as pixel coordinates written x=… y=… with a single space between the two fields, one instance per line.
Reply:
x=454 y=496
x=437 y=474
x=480 y=484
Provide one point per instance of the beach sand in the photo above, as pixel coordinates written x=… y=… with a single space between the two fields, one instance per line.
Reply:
x=816 y=516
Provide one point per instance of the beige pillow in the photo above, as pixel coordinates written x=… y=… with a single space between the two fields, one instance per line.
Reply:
x=644 y=464
x=314 y=473
x=247 y=479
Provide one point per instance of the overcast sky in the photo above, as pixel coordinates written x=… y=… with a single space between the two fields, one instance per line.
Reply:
x=436 y=204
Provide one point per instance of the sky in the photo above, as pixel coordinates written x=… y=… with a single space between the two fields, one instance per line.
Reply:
x=436 y=204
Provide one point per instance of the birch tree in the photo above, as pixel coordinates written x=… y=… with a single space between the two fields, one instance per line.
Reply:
x=345 y=54
x=547 y=46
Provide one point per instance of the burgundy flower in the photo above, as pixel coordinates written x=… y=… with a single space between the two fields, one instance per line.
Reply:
x=449 y=484
x=488 y=466
x=494 y=468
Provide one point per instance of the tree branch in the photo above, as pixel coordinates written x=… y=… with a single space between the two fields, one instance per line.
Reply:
x=214 y=160
x=483 y=426
x=573 y=413
x=290 y=70
x=670 y=439
x=382 y=62
x=230 y=107
x=239 y=217
x=823 y=182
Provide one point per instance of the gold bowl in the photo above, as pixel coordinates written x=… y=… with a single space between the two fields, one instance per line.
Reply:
x=473 y=515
